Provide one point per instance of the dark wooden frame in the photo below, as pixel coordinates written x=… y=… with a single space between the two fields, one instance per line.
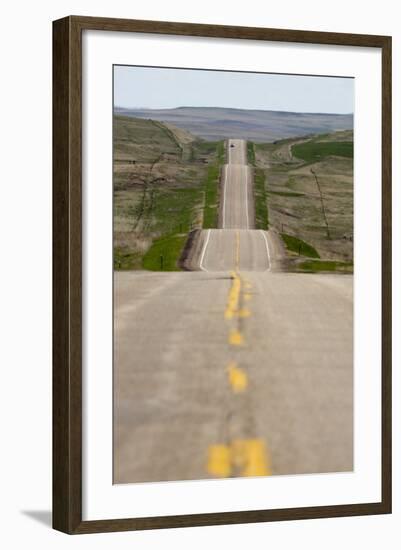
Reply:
x=67 y=279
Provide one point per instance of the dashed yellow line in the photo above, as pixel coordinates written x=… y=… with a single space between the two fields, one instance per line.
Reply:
x=251 y=457
x=237 y=377
x=243 y=457
x=233 y=302
x=235 y=337
x=219 y=461
x=233 y=297
x=243 y=312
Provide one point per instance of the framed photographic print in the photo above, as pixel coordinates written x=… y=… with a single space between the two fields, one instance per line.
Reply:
x=222 y=274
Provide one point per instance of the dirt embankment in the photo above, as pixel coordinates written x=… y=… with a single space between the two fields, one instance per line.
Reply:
x=189 y=260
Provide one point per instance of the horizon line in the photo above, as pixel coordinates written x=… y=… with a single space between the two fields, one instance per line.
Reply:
x=230 y=108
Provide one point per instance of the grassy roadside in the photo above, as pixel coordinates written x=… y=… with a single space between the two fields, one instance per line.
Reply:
x=176 y=212
x=125 y=260
x=309 y=183
x=319 y=266
x=259 y=190
x=210 y=212
x=298 y=246
x=261 y=212
x=313 y=265
x=182 y=207
x=251 y=153
x=212 y=189
x=166 y=183
x=312 y=151
x=164 y=253
x=183 y=212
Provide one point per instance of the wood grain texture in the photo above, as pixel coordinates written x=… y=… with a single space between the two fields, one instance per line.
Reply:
x=386 y=275
x=67 y=278
x=67 y=274
x=225 y=31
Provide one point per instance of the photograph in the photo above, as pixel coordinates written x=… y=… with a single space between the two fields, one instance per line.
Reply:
x=233 y=274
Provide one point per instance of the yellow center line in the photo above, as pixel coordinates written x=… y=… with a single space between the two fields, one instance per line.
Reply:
x=233 y=303
x=233 y=297
x=243 y=312
x=243 y=457
x=251 y=457
x=233 y=309
x=219 y=462
x=235 y=338
x=237 y=377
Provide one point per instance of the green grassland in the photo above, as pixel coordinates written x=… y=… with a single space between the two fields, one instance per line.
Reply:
x=251 y=153
x=309 y=184
x=259 y=190
x=210 y=213
x=166 y=183
x=331 y=266
x=261 y=204
x=164 y=253
x=298 y=246
x=312 y=151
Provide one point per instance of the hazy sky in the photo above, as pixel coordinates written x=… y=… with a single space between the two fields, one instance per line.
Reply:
x=155 y=88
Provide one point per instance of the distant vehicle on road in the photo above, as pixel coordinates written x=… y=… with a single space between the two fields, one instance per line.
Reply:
x=231 y=144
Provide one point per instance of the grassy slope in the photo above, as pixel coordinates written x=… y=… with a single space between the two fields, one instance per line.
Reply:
x=310 y=182
x=166 y=183
x=313 y=151
x=319 y=266
x=260 y=126
x=164 y=253
x=259 y=190
x=161 y=180
x=298 y=246
x=212 y=188
x=261 y=211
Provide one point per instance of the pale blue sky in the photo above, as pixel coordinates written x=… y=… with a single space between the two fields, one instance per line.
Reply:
x=159 y=88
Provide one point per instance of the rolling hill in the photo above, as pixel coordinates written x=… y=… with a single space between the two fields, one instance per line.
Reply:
x=215 y=123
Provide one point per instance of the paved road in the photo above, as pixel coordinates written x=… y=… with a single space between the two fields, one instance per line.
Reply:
x=235 y=369
x=237 y=151
x=235 y=200
x=236 y=245
x=236 y=210
x=224 y=250
x=178 y=395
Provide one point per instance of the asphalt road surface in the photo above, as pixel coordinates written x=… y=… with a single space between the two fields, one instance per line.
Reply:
x=241 y=249
x=236 y=205
x=235 y=369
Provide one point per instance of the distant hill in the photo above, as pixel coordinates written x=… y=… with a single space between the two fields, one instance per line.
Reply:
x=215 y=123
